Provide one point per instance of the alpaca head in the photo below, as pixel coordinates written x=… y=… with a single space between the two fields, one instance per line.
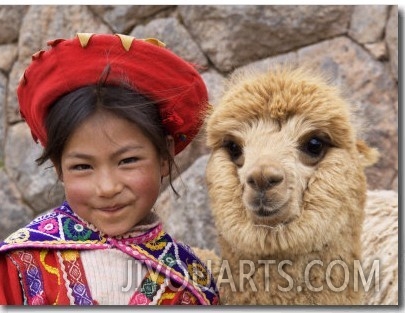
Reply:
x=286 y=167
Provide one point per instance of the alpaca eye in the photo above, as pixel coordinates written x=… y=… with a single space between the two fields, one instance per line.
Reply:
x=234 y=150
x=314 y=147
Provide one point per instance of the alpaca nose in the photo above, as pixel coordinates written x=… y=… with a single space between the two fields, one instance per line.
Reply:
x=263 y=178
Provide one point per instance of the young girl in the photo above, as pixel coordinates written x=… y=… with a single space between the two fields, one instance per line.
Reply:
x=111 y=112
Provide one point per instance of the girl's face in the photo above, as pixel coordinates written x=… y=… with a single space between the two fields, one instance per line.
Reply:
x=111 y=173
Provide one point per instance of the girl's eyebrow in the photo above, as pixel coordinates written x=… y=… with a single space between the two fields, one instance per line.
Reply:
x=122 y=150
x=78 y=155
x=125 y=149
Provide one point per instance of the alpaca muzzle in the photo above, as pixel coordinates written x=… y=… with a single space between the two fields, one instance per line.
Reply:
x=266 y=194
x=263 y=179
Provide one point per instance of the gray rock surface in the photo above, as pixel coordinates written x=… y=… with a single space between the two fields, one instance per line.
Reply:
x=10 y=22
x=391 y=38
x=8 y=54
x=14 y=213
x=190 y=210
x=38 y=186
x=368 y=22
x=176 y=38
x=122 y=18
x=235 y=35
x=3 y=88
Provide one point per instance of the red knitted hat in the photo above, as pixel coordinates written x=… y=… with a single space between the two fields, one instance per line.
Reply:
x=150 y=68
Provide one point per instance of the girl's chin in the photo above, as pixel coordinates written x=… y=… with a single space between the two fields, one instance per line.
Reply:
x=113 y=231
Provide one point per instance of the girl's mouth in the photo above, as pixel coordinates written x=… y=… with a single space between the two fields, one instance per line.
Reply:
x=112 y=209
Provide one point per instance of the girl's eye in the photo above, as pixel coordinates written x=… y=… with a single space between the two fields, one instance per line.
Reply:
x=129 y=160
x=81 y=167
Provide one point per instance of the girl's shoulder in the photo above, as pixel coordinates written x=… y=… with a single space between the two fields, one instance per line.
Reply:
x=57 y=228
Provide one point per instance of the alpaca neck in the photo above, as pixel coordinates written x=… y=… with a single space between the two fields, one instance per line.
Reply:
x=280 y=276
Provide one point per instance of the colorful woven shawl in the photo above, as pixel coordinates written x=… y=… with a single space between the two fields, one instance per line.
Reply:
x=62 y=229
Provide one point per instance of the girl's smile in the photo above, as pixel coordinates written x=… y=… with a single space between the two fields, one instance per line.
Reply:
x=112 y=173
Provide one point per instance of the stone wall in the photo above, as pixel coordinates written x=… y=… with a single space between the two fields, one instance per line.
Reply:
x=358 y=45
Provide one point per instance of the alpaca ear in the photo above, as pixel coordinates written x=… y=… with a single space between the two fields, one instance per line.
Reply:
x=368 y=155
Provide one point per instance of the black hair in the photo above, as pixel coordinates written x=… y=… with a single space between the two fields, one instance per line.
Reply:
x=69 y=111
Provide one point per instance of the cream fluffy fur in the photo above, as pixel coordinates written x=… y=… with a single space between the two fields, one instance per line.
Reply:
x=287 y=186
x=380 y=242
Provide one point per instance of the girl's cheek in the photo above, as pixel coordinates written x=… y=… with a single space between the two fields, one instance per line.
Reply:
x=147 y=181
x=76 y=191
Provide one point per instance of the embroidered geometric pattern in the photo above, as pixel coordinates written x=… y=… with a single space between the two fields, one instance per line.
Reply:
x=172 y=261
x=77 y=281
x=53 y=270
x=155 y=289
x=177 y=258
x=32 y=279
x=55 y=229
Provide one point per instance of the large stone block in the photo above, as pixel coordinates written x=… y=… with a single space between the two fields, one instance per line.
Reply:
x=122 y=18
x=235 y=35
x=14 y=213
x=10 y=21
x=175 y=36
x=391 y=38
x=38 y=185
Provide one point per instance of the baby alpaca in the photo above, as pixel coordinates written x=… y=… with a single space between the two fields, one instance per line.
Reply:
x=287 y=189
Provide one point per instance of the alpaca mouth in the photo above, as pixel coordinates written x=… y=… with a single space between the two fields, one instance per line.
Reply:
x=262 y=212
x=266 y=216
x=263 y=217
x=263 y=206
x=268 y=209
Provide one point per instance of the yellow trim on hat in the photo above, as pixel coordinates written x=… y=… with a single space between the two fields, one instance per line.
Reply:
x=126 y=41
x=155 y=42
x=84 y=38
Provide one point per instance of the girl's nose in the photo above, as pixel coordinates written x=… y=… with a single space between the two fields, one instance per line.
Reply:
x=108 y=185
